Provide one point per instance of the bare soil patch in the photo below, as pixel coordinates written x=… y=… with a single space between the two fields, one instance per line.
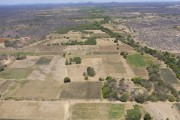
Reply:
x=162 y=110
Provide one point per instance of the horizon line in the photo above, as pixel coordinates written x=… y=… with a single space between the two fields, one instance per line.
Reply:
x=87 y=2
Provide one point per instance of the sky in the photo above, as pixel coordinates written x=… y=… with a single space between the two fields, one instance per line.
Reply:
x=15 y=2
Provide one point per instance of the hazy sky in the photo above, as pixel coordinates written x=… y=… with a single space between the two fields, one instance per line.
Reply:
x=10 y=2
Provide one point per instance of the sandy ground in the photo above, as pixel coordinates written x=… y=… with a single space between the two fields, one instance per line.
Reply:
x=162 y=111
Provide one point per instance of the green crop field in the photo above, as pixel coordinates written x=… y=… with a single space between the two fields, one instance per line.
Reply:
x=136 y=60
x=15 y=73
x=98 y=111
x=168 y=76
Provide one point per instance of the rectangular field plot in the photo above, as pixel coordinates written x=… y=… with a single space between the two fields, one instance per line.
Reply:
x=140 y=72
x=15 y=73
x=97 y=111
x=105 y=52
x=136 y=60
x=44 y=60
x=168 y=76
x=82 y=90
x=34 y=90
x=11 y=110
x=4 y=85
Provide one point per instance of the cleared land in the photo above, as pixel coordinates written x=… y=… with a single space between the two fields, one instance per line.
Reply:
x=4 y=85
x=11 y=110
x=97 y=111
x=81 y=90
x=34 y=90
x=162 y=110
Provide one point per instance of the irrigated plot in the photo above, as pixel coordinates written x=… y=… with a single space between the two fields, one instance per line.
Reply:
x=168 y=76
x=98 y=111
x=16 y=73
x=11 y=110
x=44 y=60
x=136 y=60
x=81 y=90
x=37 y=90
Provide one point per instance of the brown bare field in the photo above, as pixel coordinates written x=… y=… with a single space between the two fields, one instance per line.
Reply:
x=26 y=110
x=81 y=90
x=4 y=85
x=34 y=90
x=162 y=110
x=75 y=71
x=140 y=72
x=2 y=40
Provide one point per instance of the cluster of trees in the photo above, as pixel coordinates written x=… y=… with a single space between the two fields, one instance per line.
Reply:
x=76 y=60
x=89 y=41
x=124 y=54
x=135 y=114
x=20 y=56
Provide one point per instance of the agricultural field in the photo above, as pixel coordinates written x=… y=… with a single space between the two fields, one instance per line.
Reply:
x=44 y=60
x=168 y=76
x=4 y=85
x=81 y=90
x=34 y=90
x=15 y=74
x=32 y=110
x=136 y=60
x=98 y=111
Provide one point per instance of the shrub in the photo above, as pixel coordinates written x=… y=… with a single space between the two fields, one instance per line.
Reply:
x=125 y=97
x=109 y=78
x=147 y=116
x=91 y=72
x=66 y=63
x=67 y=80
x=86 y=78
x=77 y=60
x=101 y=79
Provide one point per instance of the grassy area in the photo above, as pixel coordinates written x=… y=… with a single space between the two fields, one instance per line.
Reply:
x=168 y=76
x=15 y=73
x=137 y=60
x=15 y=52
x=97 y=111
x=44 y=60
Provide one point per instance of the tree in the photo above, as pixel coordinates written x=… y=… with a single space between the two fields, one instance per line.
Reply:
x=147 y=117
x=77 y=60
x=91 y=72
x=66 y=63
x=134 y=114
x=67 y=80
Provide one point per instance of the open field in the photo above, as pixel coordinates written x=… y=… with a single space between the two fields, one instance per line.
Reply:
x=81 y=90
x=26 y=63
x=97 y=111
x=168 y=76
x=136 y=60
x=34 y=90
x=16 y=73
x=10 y=110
